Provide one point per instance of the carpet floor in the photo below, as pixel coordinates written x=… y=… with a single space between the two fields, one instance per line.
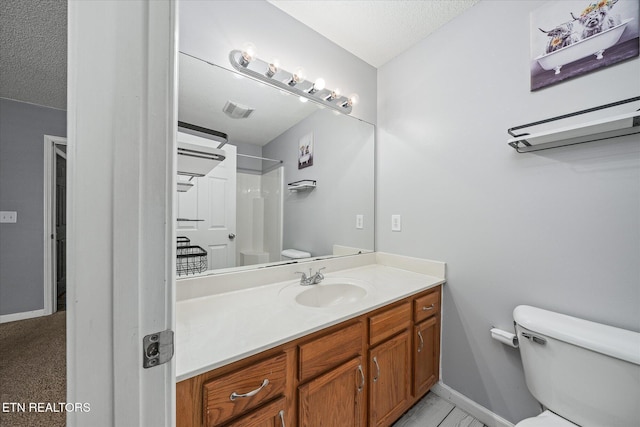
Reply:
x=33 y=371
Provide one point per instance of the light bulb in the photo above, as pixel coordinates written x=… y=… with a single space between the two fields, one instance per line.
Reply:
x=248 y=54
x=353 y=99
x=319 y=84
x=334 y=94
x=272 y=68
x=297 y=76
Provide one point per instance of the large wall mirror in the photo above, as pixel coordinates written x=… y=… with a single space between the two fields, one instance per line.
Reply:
x=245 y=213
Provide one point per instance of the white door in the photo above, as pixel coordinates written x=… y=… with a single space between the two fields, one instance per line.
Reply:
x=207 y=212
x=121 y=127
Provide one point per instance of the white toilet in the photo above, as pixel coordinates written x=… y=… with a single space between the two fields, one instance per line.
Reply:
x=583 y=373
x=294 y=254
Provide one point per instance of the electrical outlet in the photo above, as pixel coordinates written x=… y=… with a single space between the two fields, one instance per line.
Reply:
x=8 y=216
x=396 y=223
x=359 y=222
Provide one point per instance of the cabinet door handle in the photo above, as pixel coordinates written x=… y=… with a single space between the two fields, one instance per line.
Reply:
x=235 y=395
x=421 y=342
x=281 y=413
x=361 y=386
x=431 y=307
x=375 y=360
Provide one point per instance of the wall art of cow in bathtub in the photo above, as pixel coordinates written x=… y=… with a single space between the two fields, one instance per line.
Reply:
x=569 y=37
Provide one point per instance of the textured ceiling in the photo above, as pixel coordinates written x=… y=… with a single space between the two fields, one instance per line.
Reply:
x=33 y=36
x=375 y=31
x=33 y=51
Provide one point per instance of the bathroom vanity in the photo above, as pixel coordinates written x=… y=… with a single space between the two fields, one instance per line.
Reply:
x=282 y=354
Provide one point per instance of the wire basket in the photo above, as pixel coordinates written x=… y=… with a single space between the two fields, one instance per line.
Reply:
x=190 y=260
x=182 y=241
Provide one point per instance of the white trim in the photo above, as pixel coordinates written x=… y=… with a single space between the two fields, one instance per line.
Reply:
x=469 y=406
x=6 y=318
x=121 y=128
x=49 y=272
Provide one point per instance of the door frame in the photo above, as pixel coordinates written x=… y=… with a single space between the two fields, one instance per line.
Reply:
x=51 y=144
x=121 y=130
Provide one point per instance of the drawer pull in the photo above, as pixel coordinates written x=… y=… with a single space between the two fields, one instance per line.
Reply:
x=361 y=386
x=375 y=379
x=431 y=307
x=421 y=342
x=235 y=395
x=281 y=413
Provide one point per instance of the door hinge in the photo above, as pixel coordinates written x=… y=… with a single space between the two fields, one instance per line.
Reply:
x=157 y=348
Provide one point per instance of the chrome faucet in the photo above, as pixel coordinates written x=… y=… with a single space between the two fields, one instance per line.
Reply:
x=312 y=279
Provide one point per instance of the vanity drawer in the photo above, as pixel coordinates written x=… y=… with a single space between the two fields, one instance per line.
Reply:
x=427 y=305
x=239 y=391
x=329 y=351
x=386 y=324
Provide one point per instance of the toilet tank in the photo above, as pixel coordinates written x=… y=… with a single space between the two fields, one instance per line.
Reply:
x=586 y=372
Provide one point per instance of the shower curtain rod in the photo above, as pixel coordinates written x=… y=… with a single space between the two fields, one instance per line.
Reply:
x=259 y=158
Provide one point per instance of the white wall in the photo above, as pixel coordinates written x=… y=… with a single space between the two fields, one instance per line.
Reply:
x=211 y=29
x=343 y=156
x=557 y=229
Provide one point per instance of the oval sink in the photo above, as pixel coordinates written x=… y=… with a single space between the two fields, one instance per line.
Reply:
x=330 y=294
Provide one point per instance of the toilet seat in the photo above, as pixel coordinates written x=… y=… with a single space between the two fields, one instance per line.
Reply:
x=546 y=419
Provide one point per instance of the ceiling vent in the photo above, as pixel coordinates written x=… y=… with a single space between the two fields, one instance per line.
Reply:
x=237 y=111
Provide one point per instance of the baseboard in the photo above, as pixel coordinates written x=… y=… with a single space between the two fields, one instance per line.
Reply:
x=469 y=406
x=5 y=318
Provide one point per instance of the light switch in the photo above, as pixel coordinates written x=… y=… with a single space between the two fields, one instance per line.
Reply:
x=8 y=216
x=396 y=223
x=359 y=222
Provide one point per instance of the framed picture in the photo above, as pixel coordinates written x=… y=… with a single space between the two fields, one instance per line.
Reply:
x=571 y=38
x=305 y=151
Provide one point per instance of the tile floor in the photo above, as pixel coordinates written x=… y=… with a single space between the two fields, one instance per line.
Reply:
x=433 y=411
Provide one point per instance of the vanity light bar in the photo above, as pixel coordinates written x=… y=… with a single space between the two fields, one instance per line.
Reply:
x=291 y=82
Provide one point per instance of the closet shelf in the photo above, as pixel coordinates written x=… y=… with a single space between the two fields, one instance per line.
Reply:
x=594 y=130
x=305 y=184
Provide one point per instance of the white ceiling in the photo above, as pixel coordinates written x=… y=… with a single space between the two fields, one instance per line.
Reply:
x=33 y=35
x=204 y=89
x=374 y=30
x=33 y=51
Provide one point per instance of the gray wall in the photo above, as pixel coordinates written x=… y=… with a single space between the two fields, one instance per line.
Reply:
x=558 y=229
x=343 y=156
x=211 y=29
x=22 y=130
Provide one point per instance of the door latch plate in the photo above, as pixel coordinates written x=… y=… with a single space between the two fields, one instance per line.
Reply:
x=157 y=348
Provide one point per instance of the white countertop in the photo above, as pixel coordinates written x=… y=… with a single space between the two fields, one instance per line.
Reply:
x=215 y=330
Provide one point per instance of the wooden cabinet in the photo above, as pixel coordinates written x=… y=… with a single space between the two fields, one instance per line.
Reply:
x=238 y=392
x=426 y=353
x=365 y=371
x=270 y=415
x=426 y=341
x=389 y=373
x=335 y=398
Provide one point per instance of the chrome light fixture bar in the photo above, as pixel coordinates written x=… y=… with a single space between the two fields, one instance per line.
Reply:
x=294 y=83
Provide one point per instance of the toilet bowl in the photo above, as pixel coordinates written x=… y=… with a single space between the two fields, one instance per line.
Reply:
x=545 y=419
x=583 y=373
x=291 y=254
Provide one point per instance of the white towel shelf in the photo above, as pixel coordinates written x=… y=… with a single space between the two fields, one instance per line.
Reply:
x=305 y=184
x=594 y=130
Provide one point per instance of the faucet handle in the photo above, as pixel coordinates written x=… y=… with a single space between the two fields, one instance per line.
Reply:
x=320 y=274
x=304 y=275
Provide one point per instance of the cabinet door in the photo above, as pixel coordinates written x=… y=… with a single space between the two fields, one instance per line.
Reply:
x=335 y=398
x=426 y=355
x=271 y=415
x=389 y=370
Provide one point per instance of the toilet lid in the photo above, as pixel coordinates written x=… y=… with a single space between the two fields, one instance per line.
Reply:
x=295 y=254
x=545 y=419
